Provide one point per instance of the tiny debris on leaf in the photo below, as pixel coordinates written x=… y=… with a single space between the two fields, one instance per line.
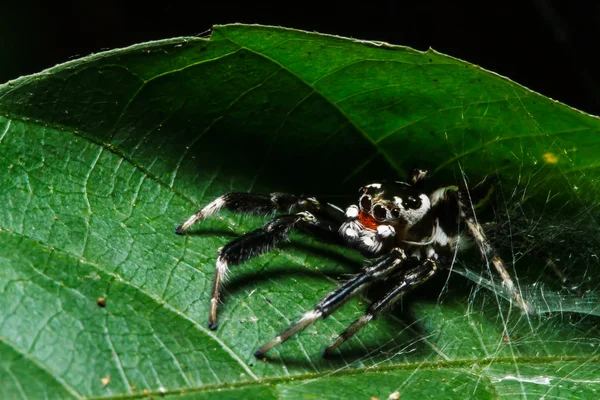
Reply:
x=105 y=381
x=101 y=302
x=394 y=396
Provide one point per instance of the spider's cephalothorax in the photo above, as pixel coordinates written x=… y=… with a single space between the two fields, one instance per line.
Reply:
x=397 y=224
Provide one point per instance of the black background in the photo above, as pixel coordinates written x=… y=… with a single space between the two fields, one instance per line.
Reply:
x=548 y=46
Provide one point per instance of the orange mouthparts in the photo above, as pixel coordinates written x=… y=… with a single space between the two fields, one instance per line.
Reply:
x=367 y=221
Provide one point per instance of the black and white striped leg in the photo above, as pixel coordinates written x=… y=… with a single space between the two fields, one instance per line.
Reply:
x=384 y=266
x=489 y=254
x=409 y=280
x=250 y=203
x=261 y=241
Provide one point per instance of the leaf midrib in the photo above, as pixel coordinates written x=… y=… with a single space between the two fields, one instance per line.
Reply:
x=474 y=365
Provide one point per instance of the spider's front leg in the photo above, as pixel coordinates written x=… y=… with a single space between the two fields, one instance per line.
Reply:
x=384 y=266
x=262 y=240
x=251 y=203
x=408 y=280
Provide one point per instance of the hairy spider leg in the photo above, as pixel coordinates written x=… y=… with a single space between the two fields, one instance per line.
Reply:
x=383 y=267
x=250 y=203
x=489 y=254
x=263 y=240
x=408 y=281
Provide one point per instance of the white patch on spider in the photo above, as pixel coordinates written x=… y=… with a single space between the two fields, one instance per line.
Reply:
x=213 y=207
x=413 y=216
x=437 y=196
x=362 y=321
x=439 y=236
x=456 y=242
x=386 y=231
x=207 y=211
x=374 y=185
x=335 y=207
x=430 y=253
x=350 y=230
x=398 y=202
x=222 y=268
x=310 y=316
x=352 y=212
x=440 y=194
x=402 y=183
x=306 y=216
x=370 y=241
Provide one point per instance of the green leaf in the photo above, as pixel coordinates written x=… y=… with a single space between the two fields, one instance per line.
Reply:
x=101 y=157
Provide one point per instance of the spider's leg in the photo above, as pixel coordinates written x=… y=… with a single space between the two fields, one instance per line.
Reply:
x=263 y=240
x=489 y=254
x=328 y=304
x=250 y=203
x=409 y=280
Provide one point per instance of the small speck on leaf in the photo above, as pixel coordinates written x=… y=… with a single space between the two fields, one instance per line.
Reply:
x=550 y=158
x=101 y=302
x=106 y=380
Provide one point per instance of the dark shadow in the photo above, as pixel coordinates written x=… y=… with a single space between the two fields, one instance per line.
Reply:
x=251 y=279
x=401 y=315
x=330 y=254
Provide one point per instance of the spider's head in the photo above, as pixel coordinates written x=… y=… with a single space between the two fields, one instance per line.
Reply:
x=392 y=203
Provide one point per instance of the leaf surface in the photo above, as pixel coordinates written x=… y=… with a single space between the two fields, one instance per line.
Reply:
x=101 y=157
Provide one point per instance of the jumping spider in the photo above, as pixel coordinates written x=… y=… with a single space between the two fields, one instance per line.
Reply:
x=396 y=224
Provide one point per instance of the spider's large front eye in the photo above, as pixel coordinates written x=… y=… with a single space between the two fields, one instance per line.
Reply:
x=395 y=213
x=379 y=212
x=365 y=203
x=412 y=202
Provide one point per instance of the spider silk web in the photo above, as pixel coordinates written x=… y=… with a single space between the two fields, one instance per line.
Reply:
x=549 y=238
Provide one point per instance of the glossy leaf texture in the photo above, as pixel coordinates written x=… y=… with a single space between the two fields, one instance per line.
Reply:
x=101 y=157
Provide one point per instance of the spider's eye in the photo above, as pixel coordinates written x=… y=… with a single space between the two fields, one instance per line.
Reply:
x=412 y=202
x=365 y=203
x=379 y=212
x=395 y=213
